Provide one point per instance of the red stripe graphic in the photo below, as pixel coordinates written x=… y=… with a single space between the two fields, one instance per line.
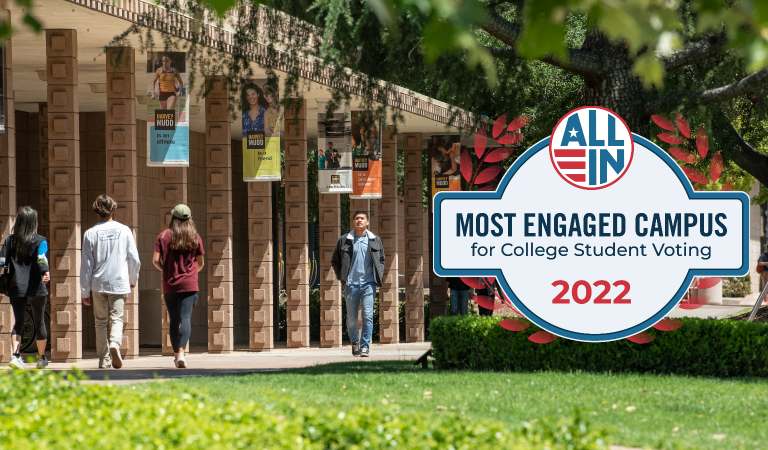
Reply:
x=579 y=178
x=572 y=164
x=566 y=153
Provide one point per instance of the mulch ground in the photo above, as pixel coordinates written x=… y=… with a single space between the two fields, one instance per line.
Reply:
x=761 y=316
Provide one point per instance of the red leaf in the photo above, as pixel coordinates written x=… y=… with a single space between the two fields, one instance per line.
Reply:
x=672 y=138
x=716 y=168
x=682 y=124
x=663 y=122
x=542 y=337
x=489 y=280
x=683 y=154
x=518 y=123
x=641 y=338
x=488 y=302
x=706 y=283
x=488 y=174
x=728 y=186
x=498 y=127
x=480 y=142
x=474 y=282
x=702 y=142
x=487 y=187
x=515 y=324
x=510 y=138
x=697 y=301
x=695 y=174
x=668 y=324
x=499 y=154
x=466 y=166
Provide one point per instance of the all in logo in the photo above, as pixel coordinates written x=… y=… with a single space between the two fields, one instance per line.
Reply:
x=591 y=147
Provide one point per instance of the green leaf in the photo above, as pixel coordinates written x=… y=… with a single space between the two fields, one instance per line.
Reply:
x=649 y=69
x=542 y=37
x=222 y=6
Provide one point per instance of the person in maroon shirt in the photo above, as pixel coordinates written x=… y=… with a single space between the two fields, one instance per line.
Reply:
x=179 y=256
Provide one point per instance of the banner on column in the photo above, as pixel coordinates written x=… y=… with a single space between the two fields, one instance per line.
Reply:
x=334 y=159
x=444 y=163
x=366 y=159
x=2 y=90
x=167 y=109
x=261 y=132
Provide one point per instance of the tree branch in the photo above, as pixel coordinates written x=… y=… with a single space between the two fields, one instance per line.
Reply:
x=502 y=29
x=710 y=96
x=744 y=155
x=580 y=62
x=694 y=52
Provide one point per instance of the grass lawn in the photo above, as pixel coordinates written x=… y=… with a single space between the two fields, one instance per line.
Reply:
x=661 y=412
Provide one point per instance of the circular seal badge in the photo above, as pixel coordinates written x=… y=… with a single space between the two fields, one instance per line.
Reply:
x=591 y=147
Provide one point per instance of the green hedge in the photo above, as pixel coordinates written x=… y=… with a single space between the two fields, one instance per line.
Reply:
x=42 y=410
x=705 y=347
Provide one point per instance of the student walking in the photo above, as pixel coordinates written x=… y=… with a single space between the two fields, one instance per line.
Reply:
x=109 y=269
x=24 y=255
x=179 y=256
x=358 y=262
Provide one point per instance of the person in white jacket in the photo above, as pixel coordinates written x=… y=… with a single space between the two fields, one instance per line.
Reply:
x=109 y=269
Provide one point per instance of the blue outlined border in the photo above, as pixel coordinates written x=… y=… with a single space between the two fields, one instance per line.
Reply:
x=544 y=144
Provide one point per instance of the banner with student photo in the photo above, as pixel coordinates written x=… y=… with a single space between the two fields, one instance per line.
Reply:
x=334 y=159
x=167 y=109
x=444 y=163
x=366 y=159
x=261 y=132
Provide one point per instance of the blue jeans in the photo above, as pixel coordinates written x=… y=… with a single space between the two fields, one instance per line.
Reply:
x=459 y=297
x=355 y=295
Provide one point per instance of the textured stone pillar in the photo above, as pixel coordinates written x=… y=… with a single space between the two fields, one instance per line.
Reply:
x=173 y=188
x=330 y=288
x=218 y=142
x=388 y=293
x=261 y=306
x=296 y=231
x=122 y=170
x=44 y=216
x=64 y=196
x=7 y=187
x=414 y=252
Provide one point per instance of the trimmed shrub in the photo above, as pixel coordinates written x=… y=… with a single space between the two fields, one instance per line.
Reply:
x=43 y=410
x=701 y=347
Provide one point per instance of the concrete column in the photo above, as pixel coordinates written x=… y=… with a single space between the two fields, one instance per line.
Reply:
x=44 y=216
x=173 y=186
x=218 y=142
x=296 y=232
x=388 y=293
x=122 y=170
x=64 y=197
x=330 y=288
x=7 y=187
x=414 y=252
x=261 y=307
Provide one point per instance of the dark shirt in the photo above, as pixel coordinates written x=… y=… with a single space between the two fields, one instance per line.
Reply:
x=456 y=284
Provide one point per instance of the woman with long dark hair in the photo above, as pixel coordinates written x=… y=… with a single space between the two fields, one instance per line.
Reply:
x=179 y=256
x=255 y=104
x=24 y=253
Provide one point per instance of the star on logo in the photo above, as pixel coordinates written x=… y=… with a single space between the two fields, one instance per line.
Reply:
x=573 y=132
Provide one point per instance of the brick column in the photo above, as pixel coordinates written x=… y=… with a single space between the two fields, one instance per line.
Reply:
x=218 y=141
x=414 y=252
x=261 y=307
x=64 y=197
x=388 y=293
x=296 y=233
x=122 y=170
x=7 y=187
x=173 y=188
x=330 y=288
x=43 y=228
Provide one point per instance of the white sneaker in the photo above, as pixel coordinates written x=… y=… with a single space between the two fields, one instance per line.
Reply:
x=42 y=362
x=105 y=364
x=181 y=362
x=17 y=363
x=117 y=359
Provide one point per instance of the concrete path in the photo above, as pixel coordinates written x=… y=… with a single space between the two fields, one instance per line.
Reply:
x=707 y=311
x=151 y=365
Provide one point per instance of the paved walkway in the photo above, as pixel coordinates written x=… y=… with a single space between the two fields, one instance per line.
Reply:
x=201 y=363
x=707 y=311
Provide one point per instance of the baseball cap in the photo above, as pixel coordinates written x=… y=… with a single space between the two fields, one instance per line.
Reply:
x=182 y=212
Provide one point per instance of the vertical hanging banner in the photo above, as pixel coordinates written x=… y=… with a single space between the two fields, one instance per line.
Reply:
x=261 y=132
x=366 y=159
x=334 y=159
x=444 y=163
x=167 y=109
x=2 y=91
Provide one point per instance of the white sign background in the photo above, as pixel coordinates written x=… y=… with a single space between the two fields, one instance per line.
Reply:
x=653 y=183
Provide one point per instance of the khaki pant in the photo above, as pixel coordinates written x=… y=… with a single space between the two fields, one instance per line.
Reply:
x=108 y=307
